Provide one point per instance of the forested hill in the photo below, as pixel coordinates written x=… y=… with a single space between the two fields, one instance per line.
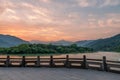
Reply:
x=107 y=44
x=43 y=49
x=9 y=41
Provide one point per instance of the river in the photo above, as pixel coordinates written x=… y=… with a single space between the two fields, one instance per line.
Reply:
x=97 y=55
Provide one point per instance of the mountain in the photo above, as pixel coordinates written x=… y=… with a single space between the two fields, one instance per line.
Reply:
x=60 y=42
x=38 y=42
x=9 y=41
x=84 y=43
x=106 y=44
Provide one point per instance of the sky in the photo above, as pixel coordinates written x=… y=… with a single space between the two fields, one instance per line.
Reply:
x=52 y=20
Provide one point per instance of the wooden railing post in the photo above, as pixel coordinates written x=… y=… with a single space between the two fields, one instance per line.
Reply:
x=38 y=61
x=23 y=61
x=51 y=61
x=8 y=61
x=105 y=64
x=84 y=64
x=67 y=61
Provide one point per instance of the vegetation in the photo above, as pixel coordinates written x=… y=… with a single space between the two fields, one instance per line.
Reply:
x=44 y=49
x=117 y=49
x=108 y=44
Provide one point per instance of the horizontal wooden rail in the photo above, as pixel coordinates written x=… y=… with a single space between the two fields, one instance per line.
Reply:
x=69 y=62
x=95 y=59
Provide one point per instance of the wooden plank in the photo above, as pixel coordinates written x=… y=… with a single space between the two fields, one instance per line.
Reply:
x=76 y=62
x=59 y=58
x=94 y=59
x=109 y=61
x=59 y=61
x=90 y=62
x=114 y=65
x=75 y=58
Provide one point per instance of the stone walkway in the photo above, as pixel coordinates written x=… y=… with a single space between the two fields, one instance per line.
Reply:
x=55 y=74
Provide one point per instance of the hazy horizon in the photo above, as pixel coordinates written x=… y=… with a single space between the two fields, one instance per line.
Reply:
x=59 y=39
x=53 y=20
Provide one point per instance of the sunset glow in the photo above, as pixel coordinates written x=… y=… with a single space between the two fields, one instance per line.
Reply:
x=51 y=20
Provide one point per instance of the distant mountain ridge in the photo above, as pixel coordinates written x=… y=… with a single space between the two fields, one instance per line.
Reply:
x=38 y=42
x=10 y=41
x=84 y=43
x=99 y=44
x=60 y=42
x=106 y=44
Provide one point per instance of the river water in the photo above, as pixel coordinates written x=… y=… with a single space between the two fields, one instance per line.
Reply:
x=97 y=55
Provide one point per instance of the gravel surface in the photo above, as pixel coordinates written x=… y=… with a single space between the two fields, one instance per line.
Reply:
x=55 y=74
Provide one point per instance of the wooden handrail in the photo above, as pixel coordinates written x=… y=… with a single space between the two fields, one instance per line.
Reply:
x=85 y=63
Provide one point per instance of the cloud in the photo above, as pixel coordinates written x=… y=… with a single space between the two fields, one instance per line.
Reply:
x=46 y=1
x=59 y=19
x=110 y=3
x=109 y=20
x=9 y=15
x=87 y=3
x=98 y=3
x=2 y=6
x=26 y=32
x=113 y=20
x=27 y=13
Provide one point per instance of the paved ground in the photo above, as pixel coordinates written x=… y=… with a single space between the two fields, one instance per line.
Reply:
x=55 y=74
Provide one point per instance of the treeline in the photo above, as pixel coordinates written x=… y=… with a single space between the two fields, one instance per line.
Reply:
x=116 y=49
x=44 y=49
x=107 y=44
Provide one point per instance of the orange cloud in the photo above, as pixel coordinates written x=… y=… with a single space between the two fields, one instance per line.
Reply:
x=31 y=32
x=49 y=20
